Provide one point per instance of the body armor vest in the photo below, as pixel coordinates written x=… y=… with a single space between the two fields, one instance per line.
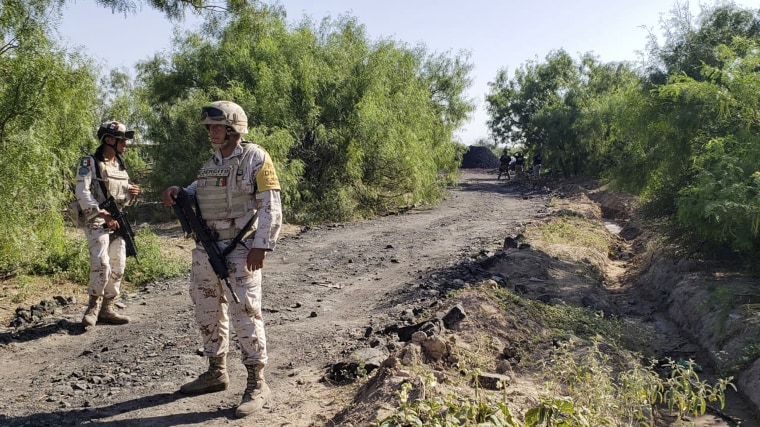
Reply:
x=221 y=193
x=117 y=181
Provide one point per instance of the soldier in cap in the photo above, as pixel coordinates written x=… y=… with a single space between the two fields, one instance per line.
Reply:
x=100 y=173
x=238 y=194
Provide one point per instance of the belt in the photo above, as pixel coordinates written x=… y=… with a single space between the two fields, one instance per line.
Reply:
x=230 y=233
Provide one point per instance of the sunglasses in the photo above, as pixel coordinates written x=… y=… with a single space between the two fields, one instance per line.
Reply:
x=212 y=113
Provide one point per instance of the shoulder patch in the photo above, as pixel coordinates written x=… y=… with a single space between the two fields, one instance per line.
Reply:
x=84 y=171
x=267 y=179
x=85 y=163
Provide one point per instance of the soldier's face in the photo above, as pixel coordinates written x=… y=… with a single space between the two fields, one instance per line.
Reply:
x=217 y=134
x=121 y=145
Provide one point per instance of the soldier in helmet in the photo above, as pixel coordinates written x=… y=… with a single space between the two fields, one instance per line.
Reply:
x=238 y=194
x=100 y=175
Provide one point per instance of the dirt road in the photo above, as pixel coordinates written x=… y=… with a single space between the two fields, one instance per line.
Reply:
x=330 y=293
x=324 y=289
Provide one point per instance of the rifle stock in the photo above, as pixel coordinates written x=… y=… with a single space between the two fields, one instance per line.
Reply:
x=193 y=224
x=125 y=229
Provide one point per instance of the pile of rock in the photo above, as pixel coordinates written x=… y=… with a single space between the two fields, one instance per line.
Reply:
x=478 y=157
x=30 y=316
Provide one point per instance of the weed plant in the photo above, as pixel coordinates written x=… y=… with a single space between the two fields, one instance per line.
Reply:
x=154 y=264
x=583 y=389
x=450 y=410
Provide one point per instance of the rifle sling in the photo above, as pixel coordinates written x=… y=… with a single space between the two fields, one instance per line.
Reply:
x=103 y=187
x=238 y=238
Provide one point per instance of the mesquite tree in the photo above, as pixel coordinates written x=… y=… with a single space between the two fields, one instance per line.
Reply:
x=47 y=114
x=355 y=127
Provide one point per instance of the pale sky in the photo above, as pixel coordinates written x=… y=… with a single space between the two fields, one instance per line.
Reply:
x=497 y=33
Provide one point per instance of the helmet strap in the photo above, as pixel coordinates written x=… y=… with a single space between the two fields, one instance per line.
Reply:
x=229 y=130
x=104 y=144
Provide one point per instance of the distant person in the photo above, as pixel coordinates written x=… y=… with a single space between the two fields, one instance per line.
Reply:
x=99 y=176
x=504 y=162
x=238 y=195
x=537 y=165
x=519 y=164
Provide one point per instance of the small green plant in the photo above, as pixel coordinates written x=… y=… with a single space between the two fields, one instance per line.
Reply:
x=686 y=394
x=559 y=413
x=584 y=390
x=449 y=411
x=71 y=262
x=581 y=391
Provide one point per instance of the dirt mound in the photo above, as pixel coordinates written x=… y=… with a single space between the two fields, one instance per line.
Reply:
x=478 y=157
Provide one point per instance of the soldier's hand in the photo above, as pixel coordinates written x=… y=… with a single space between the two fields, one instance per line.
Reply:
x=255 y=259
x=134 y=189
x=169 y=195
x=111 y=223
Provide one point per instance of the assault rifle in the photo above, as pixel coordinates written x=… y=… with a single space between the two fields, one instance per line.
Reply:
x=125 y=230
x=193 y=224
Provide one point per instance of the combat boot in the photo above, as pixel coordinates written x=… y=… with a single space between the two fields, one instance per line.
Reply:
x=215 y=379
x=256 y=392
x=109 y=316
x=91 y=314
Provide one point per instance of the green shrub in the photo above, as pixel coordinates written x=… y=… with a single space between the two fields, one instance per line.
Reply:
x=153 y=265
x=72 y=262
x=593 y=393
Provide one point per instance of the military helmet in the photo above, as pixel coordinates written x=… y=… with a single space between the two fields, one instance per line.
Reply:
x=115 y=129
x=225 y=112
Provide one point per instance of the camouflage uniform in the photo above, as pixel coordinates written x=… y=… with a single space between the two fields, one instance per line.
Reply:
x=220 y=183
x=237 y=186
x=107 y=250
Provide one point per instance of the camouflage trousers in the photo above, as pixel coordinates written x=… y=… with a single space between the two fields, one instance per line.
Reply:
x=108 y=258
x=215 y=308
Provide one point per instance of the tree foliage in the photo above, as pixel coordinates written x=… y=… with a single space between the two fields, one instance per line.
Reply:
x=694 y=136
x=721 y=199
x=355 y=127
x=689 y=44
x=172 y=9
x=682 y=134
x=47 y=104
x=562 y=108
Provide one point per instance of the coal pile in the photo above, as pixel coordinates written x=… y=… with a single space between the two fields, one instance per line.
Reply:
x=479 y=158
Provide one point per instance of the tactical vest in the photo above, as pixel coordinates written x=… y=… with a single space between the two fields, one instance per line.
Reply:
x=220 y=191
x=117 y=181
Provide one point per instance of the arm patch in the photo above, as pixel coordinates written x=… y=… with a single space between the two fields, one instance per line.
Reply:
x=266 y=179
